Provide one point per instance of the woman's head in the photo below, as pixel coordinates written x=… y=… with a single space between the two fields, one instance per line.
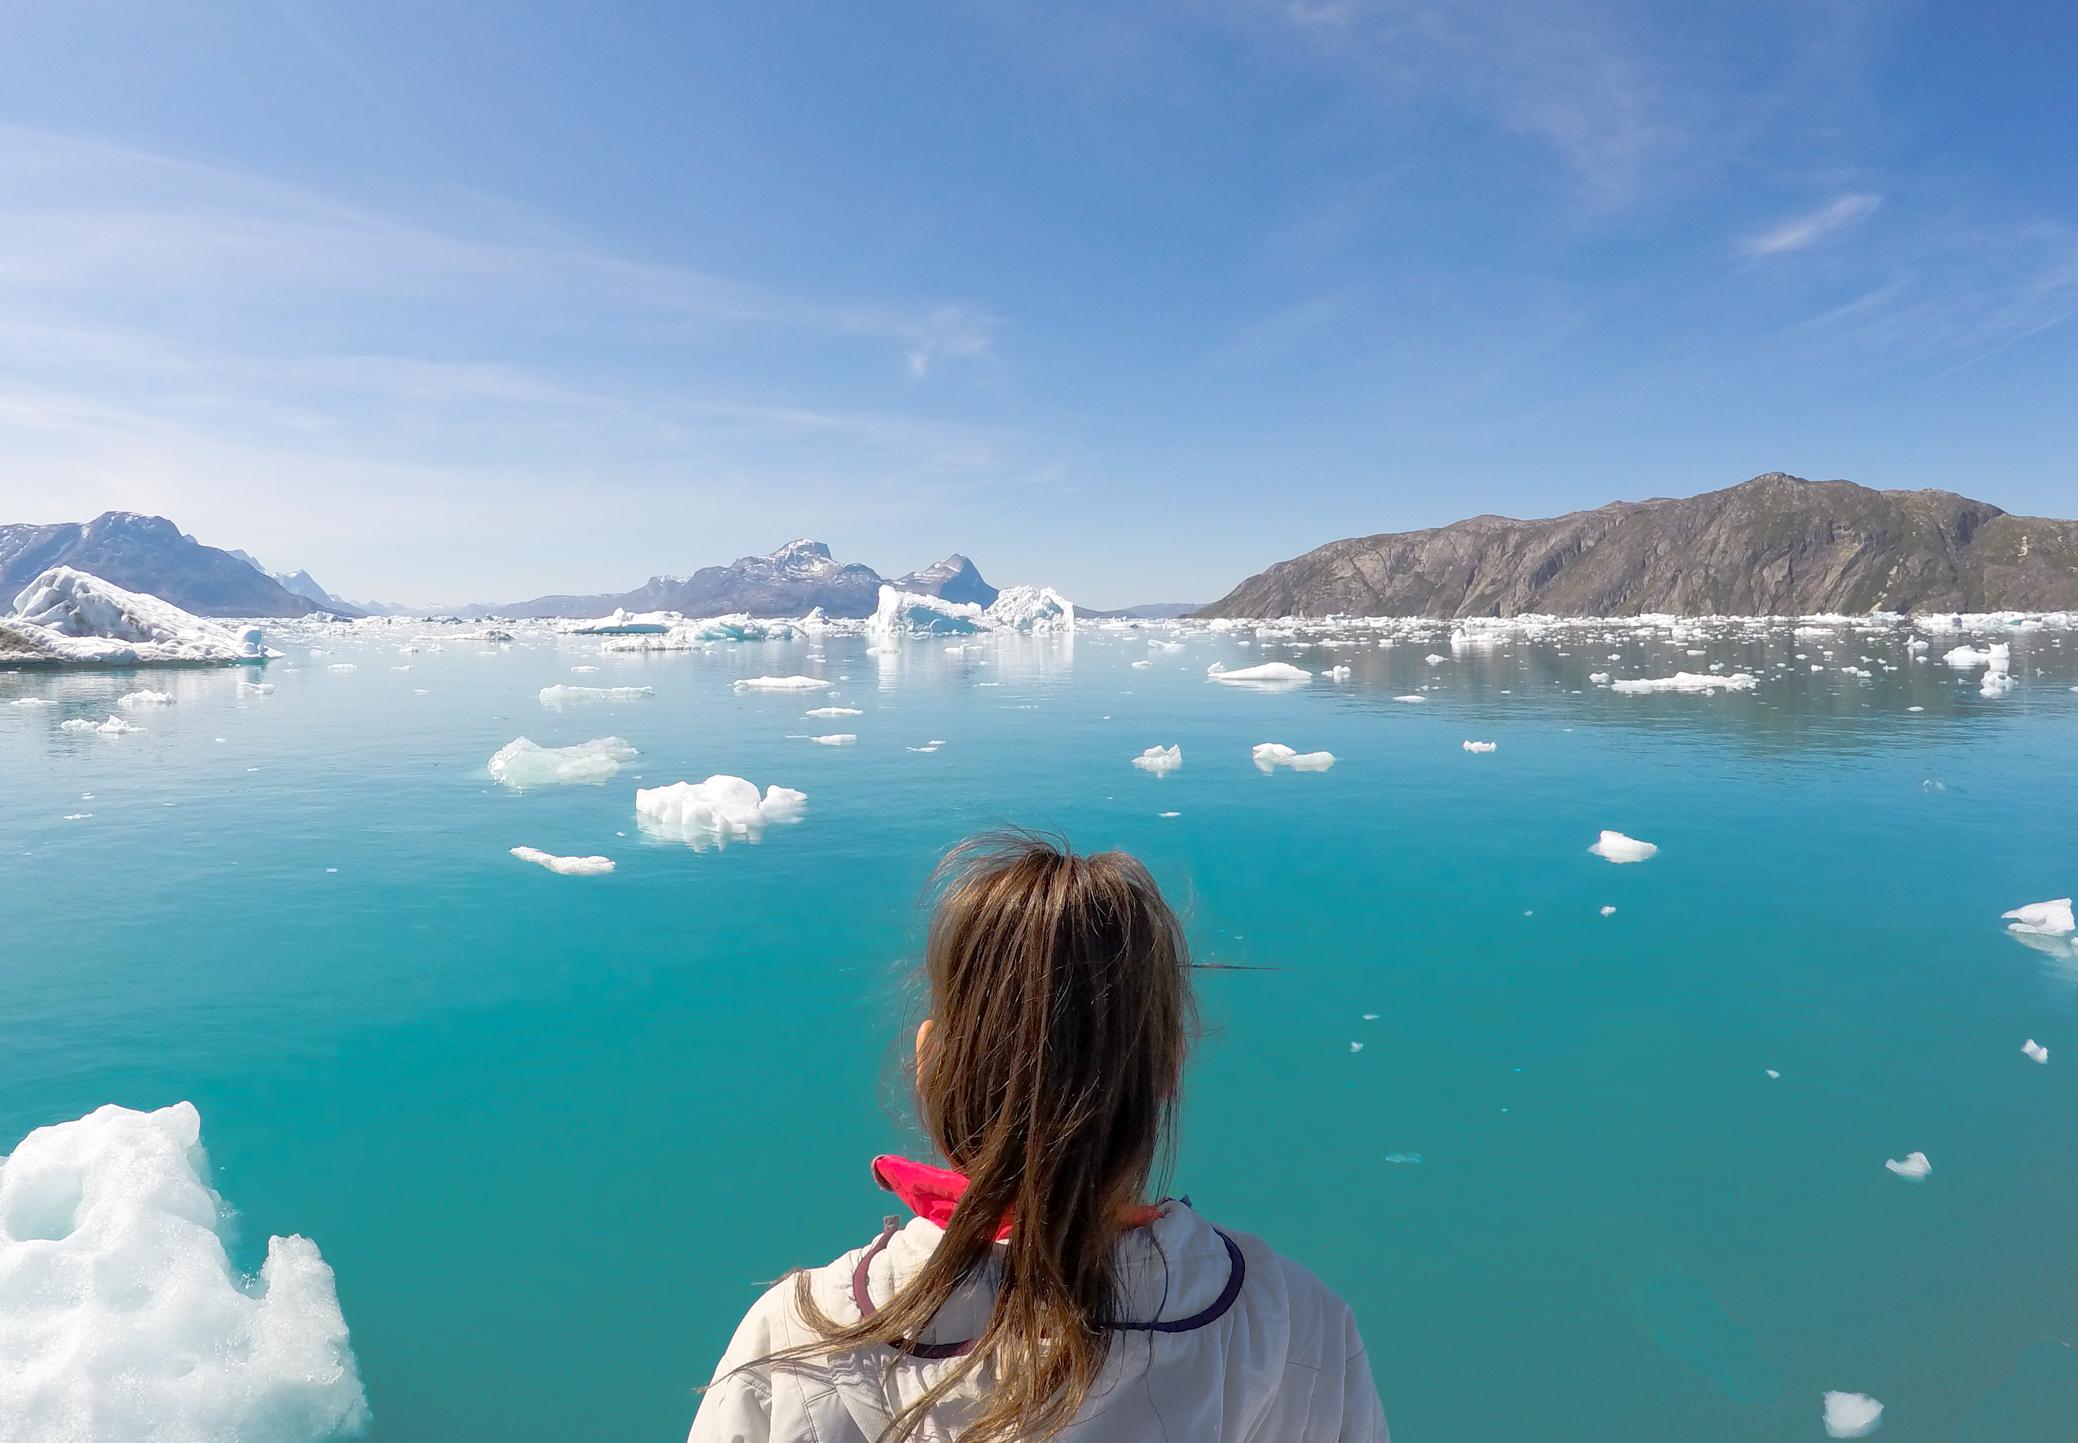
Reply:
x=1060 y=1013
x=1049 y=1074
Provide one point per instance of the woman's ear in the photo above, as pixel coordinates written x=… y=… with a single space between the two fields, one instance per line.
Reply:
x=923 y=1035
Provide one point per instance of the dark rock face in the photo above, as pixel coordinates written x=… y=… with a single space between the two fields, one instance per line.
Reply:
x=1776 y=545
x=792 y=581
x=147 y=554
x=955 y=578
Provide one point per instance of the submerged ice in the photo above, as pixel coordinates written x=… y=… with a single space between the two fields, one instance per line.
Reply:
x=121 y=1316
x=522 y=763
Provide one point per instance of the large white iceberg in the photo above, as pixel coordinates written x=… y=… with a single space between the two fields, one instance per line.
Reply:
x=628 y=623
x=67 y=616
x=912 y=613
x=121 y=1316
x=1616 y=847
x=1030 y=608
x=1686 y=681
x=1269 y=756
x=715 y=812
x=1160 y=760
x=1271 y=673
x=2042 y=919
x=523 y=763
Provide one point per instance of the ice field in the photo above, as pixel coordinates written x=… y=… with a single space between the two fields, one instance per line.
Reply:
x=1656 y=1030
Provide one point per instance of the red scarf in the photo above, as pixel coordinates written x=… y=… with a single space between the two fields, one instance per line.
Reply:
x=932 y=1192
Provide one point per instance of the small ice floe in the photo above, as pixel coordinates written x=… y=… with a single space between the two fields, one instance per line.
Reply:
x=1159 y=760
x=88 y=816
x=565 y=866
x=1356 y=1047
x=1598 y=678
x=780 y=683
x=1402 y=1159
x=836 y=739
x=1912 y=1165
x=1851 y=1415
x=1142 y=665
x=256 y=688
x=32 y=701
x=522 y=763
x=139 y=700
x=115 y=726
x=1435 y=660
x=833 y=711
x=1273 y=673
x=1481 y=747
x=1616 y=847
x=1608 y=911
x=2035 y=1051
x=582 y=670
x=1411 y=699
x=1370 y=1017
x=1686 y=681
x=1996 y=683
x=1338 y=673
x=1915 y=708
x=2044 y=919
x=1269 y=756
x=715 y=812
x=930 y=746
x=1966 y=658
x=342 y=666
x=1168 y=814
x=1773 y=1075
x=563 y=694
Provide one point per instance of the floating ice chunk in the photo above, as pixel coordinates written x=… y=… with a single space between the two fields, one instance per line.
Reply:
x=563 y=693
x=715 y=812
x=2046 y=919
x=1276 y=673
x=1686 y=681
x=1142 y=665
x=1338 y=673
x=1773 y=1075
x=342 y=666
x=121 y=1316
x=911 y=613
x=1159 y=760
x=1269 y=756
x=1356 y=1047
x=836 y=739
x=1481 y=746
x=1412 y=699
x=565 y=866
x=1851 y=1415
x=1030 y=608
x=1616 y=847
x=833 y=711
x=1168 y=814
x=1912 y=1165
x=1608 y=911
x=780 y=683
x=140 y=700
x=520 y=764
x=1434 y=660
x=740 y=626
x=626 y=623
x=1598 y=678
x=68 y=616
x=1996 y=683
x=256 y=688
x=2035 y=1051
x=115 y=726
x=930 y=746
x=32 y=701
x=1964 y=658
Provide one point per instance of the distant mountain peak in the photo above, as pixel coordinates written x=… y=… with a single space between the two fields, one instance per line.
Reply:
x=147 y=554
x=801 y=548
x=954 y=579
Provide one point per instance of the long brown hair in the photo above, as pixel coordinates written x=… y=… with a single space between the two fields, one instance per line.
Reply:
x=1061 y=1013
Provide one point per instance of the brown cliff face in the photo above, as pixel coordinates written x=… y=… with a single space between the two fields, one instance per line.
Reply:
x=1775 y=545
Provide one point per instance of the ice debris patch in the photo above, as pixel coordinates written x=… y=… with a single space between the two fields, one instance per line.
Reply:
x=780 y=683
x=720 y=810
x=563 y=693
x=565 y=866
x=115 y=726
x=1912 y=1165
x=68 y=616
x=1160 y=760
x=1851 y=1415
x=1269 y=756
x=522 y=763
x=121 y=1316
x=2044 y=919
x=1616 y=847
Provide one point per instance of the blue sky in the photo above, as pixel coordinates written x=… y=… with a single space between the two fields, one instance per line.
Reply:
x=454 y=301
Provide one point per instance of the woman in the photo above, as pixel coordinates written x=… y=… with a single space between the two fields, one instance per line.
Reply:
x=1036 y=1294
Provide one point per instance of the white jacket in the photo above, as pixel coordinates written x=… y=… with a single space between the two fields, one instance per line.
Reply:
x=1278 y=1361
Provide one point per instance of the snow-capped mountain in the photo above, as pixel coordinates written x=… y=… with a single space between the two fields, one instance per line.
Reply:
x=792 y=581
x=955 y=579
x=147 y=554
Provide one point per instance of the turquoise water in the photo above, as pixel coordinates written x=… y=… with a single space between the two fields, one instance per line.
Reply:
x=552 y=1131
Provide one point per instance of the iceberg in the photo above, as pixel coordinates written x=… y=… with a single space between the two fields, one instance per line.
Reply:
x=1275 y=673
x=2043 y=919
x=1481 y=746
x=715 y=812
x=1996 y=683
x=742 y=626
x=2035 y=1051
x=565 y=866
x=522 y=763
x=626 y=623
x=140 y=700
x=1160 y=760
x=1616 y=847
x=1999 y=656
x=912 y=613
x=1269 y=756
x=115 y=726
x=563 y=693
x=68 y=617
x=1851 y=1415
x=1338 y=673
x=836 y=739
x=121 y=1316
x=1030 y=608
x=1686 y=681
x=780 y=683
x=1912 y=1165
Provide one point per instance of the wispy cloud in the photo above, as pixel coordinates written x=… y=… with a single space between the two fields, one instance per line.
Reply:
x=1804 y=231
